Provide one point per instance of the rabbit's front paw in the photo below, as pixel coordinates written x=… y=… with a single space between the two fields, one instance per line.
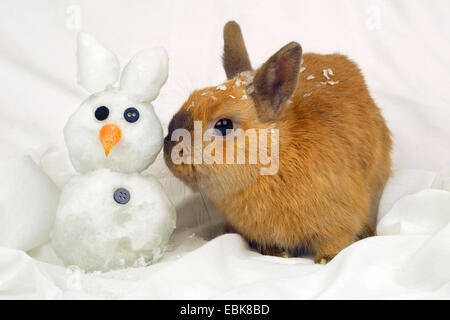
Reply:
x=323 y=259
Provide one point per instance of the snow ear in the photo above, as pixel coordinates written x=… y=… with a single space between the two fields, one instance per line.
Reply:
x=145 y=74
x=98 y=67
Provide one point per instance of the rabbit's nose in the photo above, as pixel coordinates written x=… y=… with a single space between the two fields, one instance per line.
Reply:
x=181 y=120
x=168 y=145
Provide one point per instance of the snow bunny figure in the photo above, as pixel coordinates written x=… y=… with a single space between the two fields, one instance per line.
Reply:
x=110 y=216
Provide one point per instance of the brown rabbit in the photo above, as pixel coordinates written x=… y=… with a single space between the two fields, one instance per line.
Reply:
x=334 y=149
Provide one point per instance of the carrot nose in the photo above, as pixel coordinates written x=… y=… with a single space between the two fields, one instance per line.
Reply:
x=110 y=135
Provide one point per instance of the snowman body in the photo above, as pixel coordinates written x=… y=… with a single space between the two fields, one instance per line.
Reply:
x=110 y=216
x=108 y=220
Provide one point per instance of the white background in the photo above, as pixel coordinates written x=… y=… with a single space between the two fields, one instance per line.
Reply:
x=403 y=49
x=401 y=46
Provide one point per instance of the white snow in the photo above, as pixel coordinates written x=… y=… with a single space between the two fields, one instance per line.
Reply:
x=138 y=147
x=98 y=67
x=310 y=77
x=28 y=200
x=140 y=83
x=247 y=75
x=91 y=229
x=210 y=265
x=302 y=69
x=94 y=232
x=145 y=74
x=221 y=87
x=327 y=73
x=307 y=94
x=56 y=163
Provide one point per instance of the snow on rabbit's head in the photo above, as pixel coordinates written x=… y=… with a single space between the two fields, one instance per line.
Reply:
x=116 y=127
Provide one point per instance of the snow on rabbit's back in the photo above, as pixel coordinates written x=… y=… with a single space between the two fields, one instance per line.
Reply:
x=116 y=127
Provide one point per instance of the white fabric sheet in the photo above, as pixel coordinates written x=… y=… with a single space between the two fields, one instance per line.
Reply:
x=402 y=48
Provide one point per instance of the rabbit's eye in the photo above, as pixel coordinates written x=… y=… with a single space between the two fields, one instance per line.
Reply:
x=101 y=113
x=131 y=115
x=223 y=126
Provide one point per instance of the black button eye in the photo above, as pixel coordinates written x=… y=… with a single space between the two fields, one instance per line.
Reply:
x=223 y=127
x=101 y=113
x=131 y=115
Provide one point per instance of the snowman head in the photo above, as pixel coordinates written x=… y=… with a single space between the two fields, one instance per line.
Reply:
x=116 y=127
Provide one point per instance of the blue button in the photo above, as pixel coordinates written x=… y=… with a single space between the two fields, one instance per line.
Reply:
x=131 y=115
x=122 y=196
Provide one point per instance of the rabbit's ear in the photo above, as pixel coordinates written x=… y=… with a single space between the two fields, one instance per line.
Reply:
x=235 y=57
x=98 y=67
x=145 y=74
x=276 y=80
